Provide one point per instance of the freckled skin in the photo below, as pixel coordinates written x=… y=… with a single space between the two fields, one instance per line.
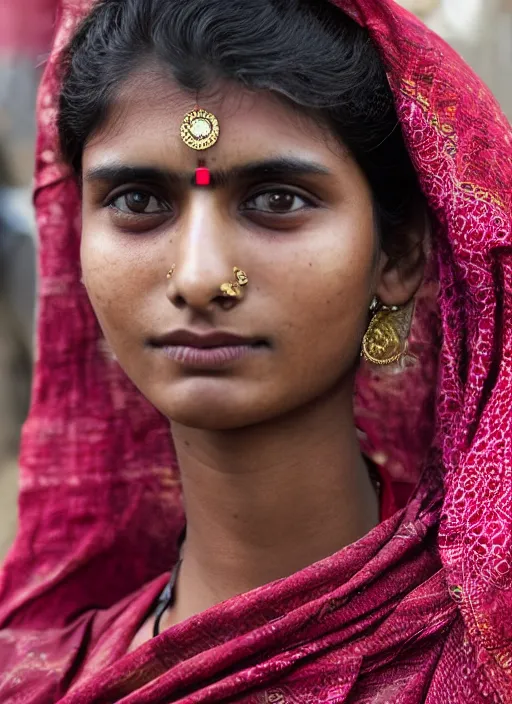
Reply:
x=310 y=283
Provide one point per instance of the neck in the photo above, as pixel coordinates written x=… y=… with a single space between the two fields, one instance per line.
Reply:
x=264 y=502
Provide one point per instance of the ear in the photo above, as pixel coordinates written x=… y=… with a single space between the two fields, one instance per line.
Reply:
x=399 y=277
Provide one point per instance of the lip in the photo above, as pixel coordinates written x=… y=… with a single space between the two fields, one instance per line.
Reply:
x=189 y=338
x=205 y=351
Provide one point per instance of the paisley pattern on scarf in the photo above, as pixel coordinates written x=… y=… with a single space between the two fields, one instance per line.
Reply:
x=420 y=610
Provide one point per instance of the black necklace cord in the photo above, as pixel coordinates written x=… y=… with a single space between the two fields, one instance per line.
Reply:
x=166 y=598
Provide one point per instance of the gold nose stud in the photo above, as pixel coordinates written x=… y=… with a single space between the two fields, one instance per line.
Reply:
x=235 y=289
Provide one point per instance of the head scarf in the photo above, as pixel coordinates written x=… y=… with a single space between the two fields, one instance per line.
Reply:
x=420 y=610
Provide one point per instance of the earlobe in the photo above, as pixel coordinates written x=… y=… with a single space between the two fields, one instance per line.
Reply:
x=400 y=277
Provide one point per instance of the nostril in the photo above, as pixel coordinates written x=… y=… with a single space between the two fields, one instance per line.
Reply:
x=179 y=301
x=226 y=303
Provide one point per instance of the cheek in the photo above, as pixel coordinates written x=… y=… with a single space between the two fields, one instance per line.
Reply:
x=101 y=275
x=329 y=297
x=115 y=279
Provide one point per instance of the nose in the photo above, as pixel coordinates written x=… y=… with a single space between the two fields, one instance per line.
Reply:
x=204 y=258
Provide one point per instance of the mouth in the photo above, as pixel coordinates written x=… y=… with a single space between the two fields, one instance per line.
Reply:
x=206 y=351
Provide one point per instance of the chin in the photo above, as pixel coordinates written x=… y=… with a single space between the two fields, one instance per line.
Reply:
x=206 y=421
x=211 y=404
x=219 y=416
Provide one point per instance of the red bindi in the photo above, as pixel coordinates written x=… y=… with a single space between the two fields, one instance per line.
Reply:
x=202 y=175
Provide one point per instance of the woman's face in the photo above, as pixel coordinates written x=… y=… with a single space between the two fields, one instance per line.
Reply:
x=286 y=204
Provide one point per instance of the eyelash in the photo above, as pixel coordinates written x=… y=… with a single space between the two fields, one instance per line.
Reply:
x=308 y=201
x=118 y=196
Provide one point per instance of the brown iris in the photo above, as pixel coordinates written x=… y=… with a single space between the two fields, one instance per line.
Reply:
x=137 y=201
x=281 y=202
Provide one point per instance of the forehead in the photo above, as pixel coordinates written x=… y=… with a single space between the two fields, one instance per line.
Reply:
x=144 y=120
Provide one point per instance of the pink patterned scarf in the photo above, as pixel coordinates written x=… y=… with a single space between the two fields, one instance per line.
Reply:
x=420 y=610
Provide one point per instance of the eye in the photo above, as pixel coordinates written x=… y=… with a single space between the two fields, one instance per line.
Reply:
x=138 y=203
x=277 y=202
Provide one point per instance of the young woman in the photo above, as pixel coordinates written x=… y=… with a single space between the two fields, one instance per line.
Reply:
x=264 y=186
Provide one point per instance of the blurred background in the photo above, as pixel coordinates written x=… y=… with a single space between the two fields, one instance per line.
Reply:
x=481 y=30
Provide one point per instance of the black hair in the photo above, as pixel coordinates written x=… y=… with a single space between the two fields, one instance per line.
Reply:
x=306 y=51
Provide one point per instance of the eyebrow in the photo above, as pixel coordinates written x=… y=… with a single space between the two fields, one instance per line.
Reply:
x=117 y=173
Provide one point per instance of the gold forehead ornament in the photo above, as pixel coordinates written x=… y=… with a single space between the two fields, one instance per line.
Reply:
x=199 y=129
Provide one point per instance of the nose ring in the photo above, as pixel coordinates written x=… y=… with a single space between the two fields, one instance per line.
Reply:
x=171 y=271
x=234 y=289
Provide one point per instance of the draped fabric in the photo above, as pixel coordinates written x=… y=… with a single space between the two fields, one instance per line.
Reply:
x=420 y=609
x=26 y=27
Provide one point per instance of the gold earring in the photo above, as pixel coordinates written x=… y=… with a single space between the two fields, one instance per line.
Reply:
x=385 y=341
x=234 y=289
x=171 y=271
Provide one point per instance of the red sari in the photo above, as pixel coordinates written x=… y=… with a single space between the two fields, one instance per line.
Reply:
x=420 y=609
